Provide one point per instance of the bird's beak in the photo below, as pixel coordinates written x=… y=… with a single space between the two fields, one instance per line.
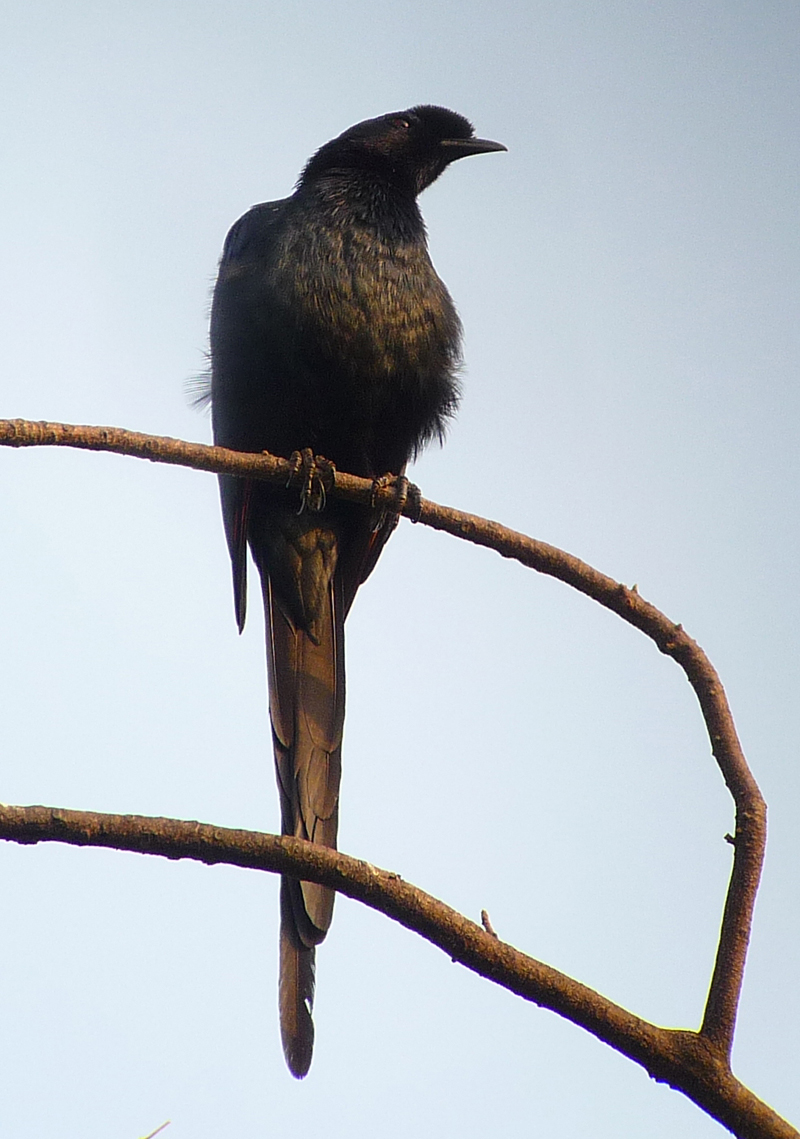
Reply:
x=462 y=147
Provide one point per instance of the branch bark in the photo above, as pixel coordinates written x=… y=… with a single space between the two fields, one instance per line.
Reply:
x=684 y=1059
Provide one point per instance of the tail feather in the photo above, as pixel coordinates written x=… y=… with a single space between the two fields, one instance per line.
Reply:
x=310 y=567
x=295 y=991
x=306 y=674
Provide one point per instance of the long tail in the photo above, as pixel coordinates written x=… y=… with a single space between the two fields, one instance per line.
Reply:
x=307 y=691
x=307 y=592
x=295 y=991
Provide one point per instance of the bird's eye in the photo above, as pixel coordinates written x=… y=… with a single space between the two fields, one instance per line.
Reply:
x=404 y=123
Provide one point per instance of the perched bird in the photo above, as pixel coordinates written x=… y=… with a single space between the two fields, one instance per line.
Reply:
x=330 y=330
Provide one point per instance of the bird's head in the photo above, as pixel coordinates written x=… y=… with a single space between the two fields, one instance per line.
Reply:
x=408 y=148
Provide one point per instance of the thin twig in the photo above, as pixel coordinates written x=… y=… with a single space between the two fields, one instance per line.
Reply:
x=158 y=1130
x=486 y=923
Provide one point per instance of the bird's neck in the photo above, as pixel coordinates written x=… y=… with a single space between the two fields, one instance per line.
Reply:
x=367 y=201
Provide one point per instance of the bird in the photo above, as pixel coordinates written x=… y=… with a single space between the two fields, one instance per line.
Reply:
x=331 y=335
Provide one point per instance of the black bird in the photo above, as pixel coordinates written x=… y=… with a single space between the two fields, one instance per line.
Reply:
x=330 y=330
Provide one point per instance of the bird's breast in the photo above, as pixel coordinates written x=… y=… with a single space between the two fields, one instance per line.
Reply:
x=373 y=309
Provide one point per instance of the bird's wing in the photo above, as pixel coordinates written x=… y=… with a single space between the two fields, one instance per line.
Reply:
x=364 y=554
x=247 y=236
x=245 y=243
x=236 y=494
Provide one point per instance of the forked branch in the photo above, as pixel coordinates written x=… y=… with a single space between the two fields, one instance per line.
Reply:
x=695 y=1063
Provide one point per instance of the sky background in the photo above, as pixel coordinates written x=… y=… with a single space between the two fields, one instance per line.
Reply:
x=627 y=277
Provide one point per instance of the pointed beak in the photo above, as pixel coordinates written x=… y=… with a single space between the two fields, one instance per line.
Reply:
x=462 y=147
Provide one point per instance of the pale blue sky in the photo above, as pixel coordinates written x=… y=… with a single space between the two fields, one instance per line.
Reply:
x=627 y=276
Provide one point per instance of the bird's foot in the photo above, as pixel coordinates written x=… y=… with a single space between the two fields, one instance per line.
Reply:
x=403 y=493
x=315 y=476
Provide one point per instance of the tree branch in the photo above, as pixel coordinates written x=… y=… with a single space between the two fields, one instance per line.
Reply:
x=716 y=1035
x=684 y=1060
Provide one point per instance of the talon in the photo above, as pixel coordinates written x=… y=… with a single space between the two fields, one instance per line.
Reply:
x=307 y=460
x=296 y=462
x=318 y=476
x=321 y=479
x=415 y=498
x=401 y=486
x=378 y=485
x=405 y=492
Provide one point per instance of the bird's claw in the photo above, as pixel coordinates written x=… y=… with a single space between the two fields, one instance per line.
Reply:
x=315 y=476
x=414 y=497
x=379 y=484
x=404 y=492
